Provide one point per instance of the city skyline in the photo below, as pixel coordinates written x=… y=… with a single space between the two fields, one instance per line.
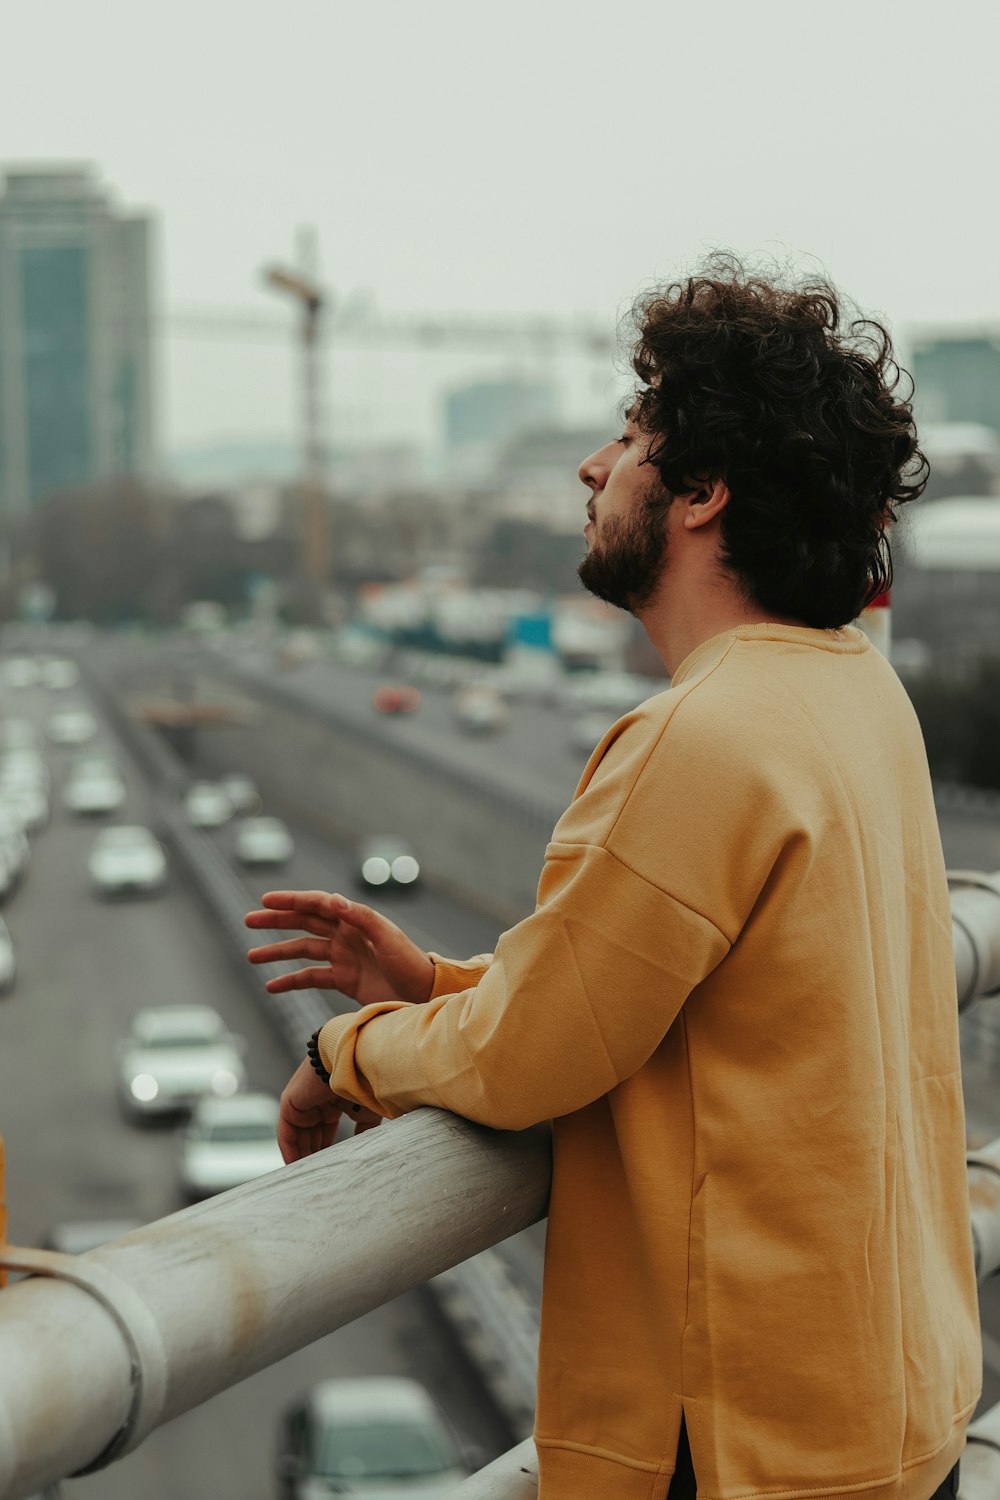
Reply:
x=548 y=161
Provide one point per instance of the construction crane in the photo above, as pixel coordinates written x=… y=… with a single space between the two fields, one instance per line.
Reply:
x=315 y=531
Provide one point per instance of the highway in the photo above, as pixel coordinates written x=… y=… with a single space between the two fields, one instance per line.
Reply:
x=85 y=966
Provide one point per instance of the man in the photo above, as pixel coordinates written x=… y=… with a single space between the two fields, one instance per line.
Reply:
x=735 y=998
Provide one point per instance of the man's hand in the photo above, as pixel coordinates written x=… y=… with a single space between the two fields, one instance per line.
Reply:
x=310 y=1114
x=351 y=947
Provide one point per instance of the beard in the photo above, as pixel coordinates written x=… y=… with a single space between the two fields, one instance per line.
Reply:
x=624 y=568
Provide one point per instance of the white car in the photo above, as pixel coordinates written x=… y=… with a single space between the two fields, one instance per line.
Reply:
x=480 y=709
x=18 y=767
x=229 y=1141
x=127 y=858
x=207 y=805
x=588 y=729
x=93 y=791
x=26 y=800
x=59 y=673
x=71 y=726
x=262 y=841
x=379 y=1436
x=614 y=693
x=14 y=845
x=19 y=672
x=19 y=734
x=8 y=968
x=176 y=1055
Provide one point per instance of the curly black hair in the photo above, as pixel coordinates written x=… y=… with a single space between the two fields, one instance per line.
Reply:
x=760 y=385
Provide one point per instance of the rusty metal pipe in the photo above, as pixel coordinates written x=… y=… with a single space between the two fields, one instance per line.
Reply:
x=161 y=1320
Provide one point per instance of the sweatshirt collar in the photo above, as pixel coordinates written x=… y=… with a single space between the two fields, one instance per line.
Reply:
x=848 y=640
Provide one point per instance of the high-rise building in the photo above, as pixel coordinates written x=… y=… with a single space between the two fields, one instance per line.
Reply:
x=75 y=377
x=957 y=377
x=483 y=415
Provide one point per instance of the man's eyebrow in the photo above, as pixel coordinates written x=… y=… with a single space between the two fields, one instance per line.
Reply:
x=630 y=414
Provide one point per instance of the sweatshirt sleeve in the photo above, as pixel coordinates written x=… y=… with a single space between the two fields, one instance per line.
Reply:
x=577 y=997
x=451 y=974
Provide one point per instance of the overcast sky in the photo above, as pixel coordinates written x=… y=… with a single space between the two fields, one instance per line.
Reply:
x=552 y=156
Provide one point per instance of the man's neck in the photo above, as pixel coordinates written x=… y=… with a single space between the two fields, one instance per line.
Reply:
x=681 y=619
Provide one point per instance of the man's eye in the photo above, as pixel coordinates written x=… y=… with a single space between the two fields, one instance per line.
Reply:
x=624 y=438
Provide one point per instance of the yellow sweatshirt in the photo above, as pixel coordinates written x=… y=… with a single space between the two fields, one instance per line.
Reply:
x=736 y=1001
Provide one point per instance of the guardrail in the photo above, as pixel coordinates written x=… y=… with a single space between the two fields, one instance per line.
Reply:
x=98 y=1349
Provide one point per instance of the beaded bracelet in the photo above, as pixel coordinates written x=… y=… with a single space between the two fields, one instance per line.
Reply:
x=312 y=1052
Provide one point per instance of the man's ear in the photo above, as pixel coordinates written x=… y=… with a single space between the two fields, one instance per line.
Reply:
x=704 y=502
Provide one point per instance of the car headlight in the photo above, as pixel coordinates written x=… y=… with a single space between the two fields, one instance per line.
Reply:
x=376 y=870
x=405 y=869
x=144 y=1087
x=224 y=1083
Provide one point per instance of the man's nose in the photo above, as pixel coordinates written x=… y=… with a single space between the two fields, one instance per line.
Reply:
x=595 y=468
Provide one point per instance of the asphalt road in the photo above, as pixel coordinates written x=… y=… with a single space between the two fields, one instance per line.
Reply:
x=85 y=966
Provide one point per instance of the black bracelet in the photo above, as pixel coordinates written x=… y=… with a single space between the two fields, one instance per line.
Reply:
x=312 y=1052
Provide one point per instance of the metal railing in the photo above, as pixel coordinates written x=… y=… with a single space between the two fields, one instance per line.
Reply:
x=98 y=1349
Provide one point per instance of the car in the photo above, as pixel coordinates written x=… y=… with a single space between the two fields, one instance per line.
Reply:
x=229 y=1141
x=19 y=734
x=480 y=709
x=94 y=791
x=8 y=873
x=92 y=760
x=377 y=1436
x=385 y=860
x=72 y=725
x=176 y=1055
x=262 y=841
x=242 y=793
x=58 y=673
x=24 y=766
x=608 y=692
x=77 y=1236
x=8 y=968
x=127 y=859
x=207 y=805
x=389 y=699
x=19 y=672
x=14 y=845
x=587 y=729
x=27 y=800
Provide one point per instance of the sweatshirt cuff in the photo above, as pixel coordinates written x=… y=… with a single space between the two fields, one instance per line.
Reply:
x=330 y=1034
x=451 y=976
x=337 y=1047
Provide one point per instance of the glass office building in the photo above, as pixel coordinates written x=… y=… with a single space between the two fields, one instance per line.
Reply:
x=75 y=381
x=957 y=377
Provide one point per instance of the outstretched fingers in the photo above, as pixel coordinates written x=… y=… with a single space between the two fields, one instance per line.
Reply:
x=289 y=948
x=320 y=978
